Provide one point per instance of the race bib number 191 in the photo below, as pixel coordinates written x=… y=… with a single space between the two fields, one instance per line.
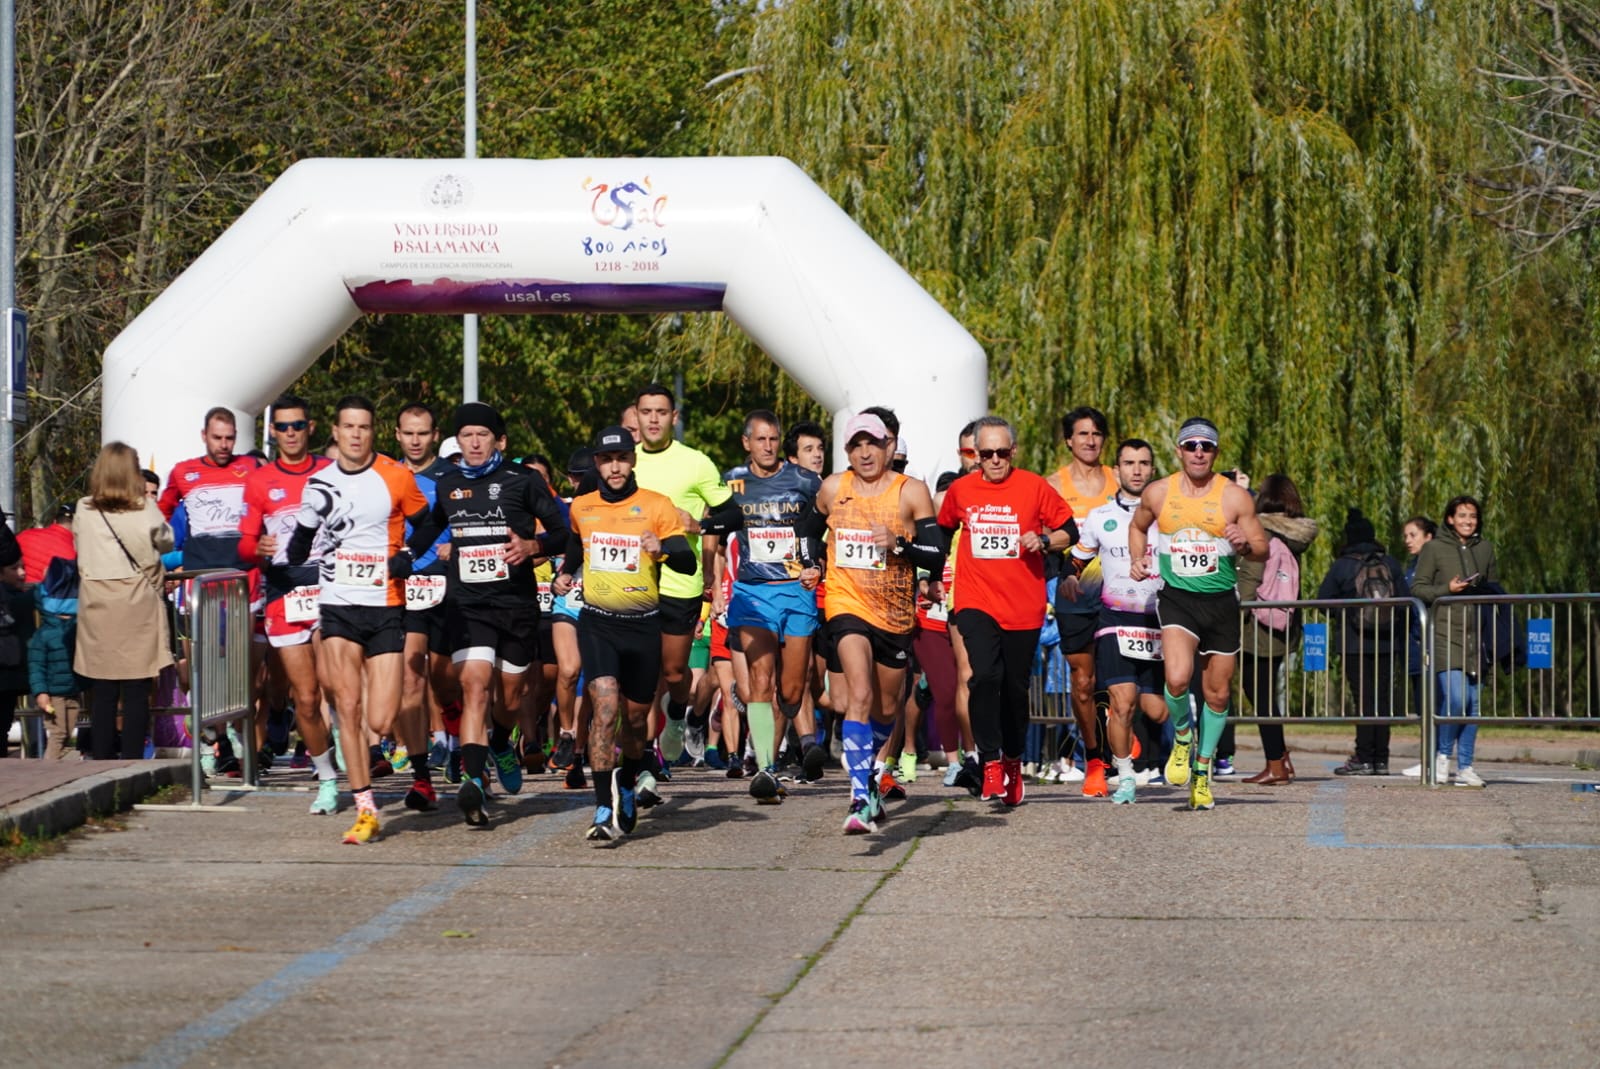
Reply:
x=613 y=552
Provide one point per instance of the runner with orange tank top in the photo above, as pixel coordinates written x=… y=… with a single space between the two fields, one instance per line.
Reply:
x=1203 y=521
x=881 y=529
x=1085 y=484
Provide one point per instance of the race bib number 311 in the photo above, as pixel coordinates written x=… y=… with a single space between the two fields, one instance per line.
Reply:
x=853 y=548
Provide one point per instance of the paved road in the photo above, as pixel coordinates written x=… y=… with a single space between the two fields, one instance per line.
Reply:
x=1329 y=923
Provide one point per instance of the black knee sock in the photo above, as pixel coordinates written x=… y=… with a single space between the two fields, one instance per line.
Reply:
x=500 y=737
x=473 y=758
x=628 y=774
x=602 y=787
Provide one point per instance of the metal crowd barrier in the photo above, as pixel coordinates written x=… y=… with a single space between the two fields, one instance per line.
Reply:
x=219 y=632
x=1376 y=661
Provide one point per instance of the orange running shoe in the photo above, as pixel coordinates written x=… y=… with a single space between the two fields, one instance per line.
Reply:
x=1137 y=749
x=1094 y=780
x=889 y=787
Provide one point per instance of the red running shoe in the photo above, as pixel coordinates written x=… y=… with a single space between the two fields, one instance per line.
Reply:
x=1014 y=781
x=1094 y=780
x=422 y=797
x=994 y=781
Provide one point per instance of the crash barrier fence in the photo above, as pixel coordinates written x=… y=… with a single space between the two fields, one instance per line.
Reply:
x=211 y=608
x=1531 y=659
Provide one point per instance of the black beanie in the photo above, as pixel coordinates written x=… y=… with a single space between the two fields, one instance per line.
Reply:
x=478 y=414
x=1358 y=529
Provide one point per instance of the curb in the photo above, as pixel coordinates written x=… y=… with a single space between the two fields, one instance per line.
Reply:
x=69 y=806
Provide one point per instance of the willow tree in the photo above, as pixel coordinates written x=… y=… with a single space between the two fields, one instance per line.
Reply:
x=1251 y=210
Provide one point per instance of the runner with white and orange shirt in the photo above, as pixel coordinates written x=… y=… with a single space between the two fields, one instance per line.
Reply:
x=1128 y=635
x=355 y=511
x=1009 y=519
x=272 y=495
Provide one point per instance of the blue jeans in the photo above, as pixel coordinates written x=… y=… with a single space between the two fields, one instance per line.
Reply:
x=1458 y=697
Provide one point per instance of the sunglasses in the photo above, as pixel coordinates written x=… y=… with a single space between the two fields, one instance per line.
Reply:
x=990 y=454
x=968 y=453
x=1198 y=446
x=291 y=425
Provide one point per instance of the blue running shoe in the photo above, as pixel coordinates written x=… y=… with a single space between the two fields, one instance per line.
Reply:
x=603 y=830
x=438 y=755
x=714 y=759
x=625 y=803
x=470 y=798
x=507 y=769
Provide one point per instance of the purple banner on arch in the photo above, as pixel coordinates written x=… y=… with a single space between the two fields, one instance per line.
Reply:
x=534 y=296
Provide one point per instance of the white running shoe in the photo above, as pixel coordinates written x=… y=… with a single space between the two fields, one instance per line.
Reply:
x=1466 y=777
x=1415 y=771
x=1067 y=772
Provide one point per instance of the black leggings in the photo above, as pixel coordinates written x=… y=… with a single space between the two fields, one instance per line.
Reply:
x=1002 y=662
x=103 y=696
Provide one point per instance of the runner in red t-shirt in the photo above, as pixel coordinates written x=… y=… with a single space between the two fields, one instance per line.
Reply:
x=1009 y=519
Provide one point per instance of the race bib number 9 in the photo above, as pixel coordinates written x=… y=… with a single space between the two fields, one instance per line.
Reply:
x=770 y=545
x=996 y=541
x=854 y=548
x=482 y=564
x=424 y=591
x=360 y=567
x=613 y=552
x=300 y=604
x=1193 y=559
x=1139 y=643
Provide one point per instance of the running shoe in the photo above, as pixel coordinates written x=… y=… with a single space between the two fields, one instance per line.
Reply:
x=1125 y=787
x=908 y=768
x=766 y=790
x=575 y=780
x=694 y=739
x=813 y=762
x=889 y=785
x=646 y=786
x=301 y=758
x=969 y=777
x=994 y=782
x=533 y=762
x=565 y=752
x=625 y=806
x=1178 y=764
x=1094 y=780
x=400 y=759
x=736 y=768
x=452 y=767
x=507 y=769
x=438 y=756
x=264 y=758
x=951 y=772
x=662 y=766
x=875 y=808
x=672 y=733
x=714 y=759
x=379 y=766
x=1467 y=776
x=1016 y=783
x=470 y=798
x=327 y=798
x=364 y=830
x=604 y=828
x=228 y=767
x=1222 y=767
x=1067 y=772
x=1200 y=792
x=859 y=821
x=750 y=767
x=422 y=797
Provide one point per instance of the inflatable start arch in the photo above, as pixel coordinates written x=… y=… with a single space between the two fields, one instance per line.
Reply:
x=332 y=239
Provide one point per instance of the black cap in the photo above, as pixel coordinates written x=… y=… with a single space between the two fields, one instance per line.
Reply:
x=478 y=414
x=614 y=440
x=582 y=460
x=1358 y=529
x=67 y=509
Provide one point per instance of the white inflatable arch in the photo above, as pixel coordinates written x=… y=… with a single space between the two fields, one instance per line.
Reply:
x=332 y=239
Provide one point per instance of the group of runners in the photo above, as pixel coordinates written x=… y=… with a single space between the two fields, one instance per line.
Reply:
x=448 y=605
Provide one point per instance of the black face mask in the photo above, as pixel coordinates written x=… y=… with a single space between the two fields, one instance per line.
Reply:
x=628 y=489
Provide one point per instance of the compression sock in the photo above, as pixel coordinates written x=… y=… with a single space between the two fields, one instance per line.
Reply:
x=628 y=773
x=880 y=734
x=365 y=802
x=474 y=755
x=762 y=732
x=858 y=753
x=323 y=763
x=1178 y=709
x=1211 y=725
x=602 y=786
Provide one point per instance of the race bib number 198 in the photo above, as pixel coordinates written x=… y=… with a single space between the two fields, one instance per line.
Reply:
x=1193 y=559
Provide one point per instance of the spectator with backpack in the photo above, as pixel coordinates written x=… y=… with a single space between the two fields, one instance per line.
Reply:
x=1369 y=638
x=1270 y=634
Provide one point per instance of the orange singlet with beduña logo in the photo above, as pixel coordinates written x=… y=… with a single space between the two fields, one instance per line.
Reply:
x=880 y=587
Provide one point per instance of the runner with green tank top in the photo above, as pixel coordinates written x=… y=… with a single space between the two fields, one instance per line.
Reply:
x=1202 y=522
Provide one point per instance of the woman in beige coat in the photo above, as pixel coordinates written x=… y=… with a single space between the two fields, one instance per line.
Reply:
x=120 y=535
